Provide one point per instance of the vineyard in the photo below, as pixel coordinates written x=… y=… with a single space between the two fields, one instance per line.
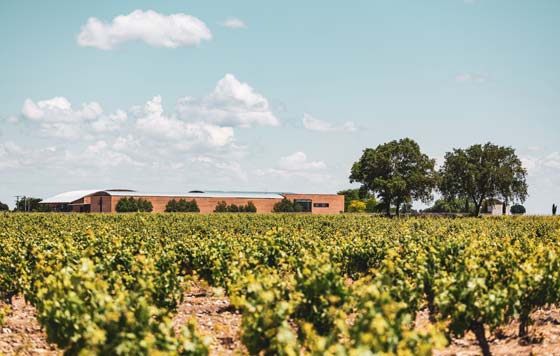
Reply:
x=302 y=284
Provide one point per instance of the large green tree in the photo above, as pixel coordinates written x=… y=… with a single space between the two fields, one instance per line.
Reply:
x=397 y=172
x=30 y=204
x=354 y=194
x=482 y=172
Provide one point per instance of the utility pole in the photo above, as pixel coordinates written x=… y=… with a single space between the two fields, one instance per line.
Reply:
x=17 y=201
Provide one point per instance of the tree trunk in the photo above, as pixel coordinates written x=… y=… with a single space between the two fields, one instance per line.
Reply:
x=397 y=210
x=466 y=206
x=478 y=330
x=430 y=297
x=523 y=324
x=476 y=210
x=388 y=208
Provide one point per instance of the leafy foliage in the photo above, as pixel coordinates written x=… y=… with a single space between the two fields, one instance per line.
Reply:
x=223 y=207
x=517 y=209
x=30 y=204
x=111 y=282
x=357 y=206
x=182 y=206
x=130 y=205
x=397 y=171
x=480 y=172
x=286 y=206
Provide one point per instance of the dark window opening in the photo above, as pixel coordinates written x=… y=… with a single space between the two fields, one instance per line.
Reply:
x=320 y=205
x=305 y=205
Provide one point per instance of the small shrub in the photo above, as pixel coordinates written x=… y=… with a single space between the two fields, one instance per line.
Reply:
x=286 y=206
x=357 y=206
x=517 y=209
x=130 y=205
x=182 y=206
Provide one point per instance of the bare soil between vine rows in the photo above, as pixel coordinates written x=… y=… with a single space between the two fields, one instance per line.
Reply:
x=22 y=334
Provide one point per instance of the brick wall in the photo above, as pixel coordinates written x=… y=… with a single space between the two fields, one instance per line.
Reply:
x=335 y=202
x=206 y=205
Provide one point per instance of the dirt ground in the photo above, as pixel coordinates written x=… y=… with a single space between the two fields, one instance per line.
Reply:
x=22 y=334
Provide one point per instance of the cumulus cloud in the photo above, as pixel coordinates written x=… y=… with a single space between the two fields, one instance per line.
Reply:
x=100 y=154
x=57 y=118
x=155 y=29
x=546 y=162
x=470 y=78
x=298 y=162
x=152 y=121
x=232 y=103
x=314 y=124
x=234 y=23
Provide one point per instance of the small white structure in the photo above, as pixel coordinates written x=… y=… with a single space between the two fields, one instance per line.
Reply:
x=496 y=209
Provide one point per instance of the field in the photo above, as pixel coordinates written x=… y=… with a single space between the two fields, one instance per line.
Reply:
x=187 y=284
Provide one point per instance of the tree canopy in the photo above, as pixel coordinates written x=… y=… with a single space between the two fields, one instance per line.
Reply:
x=182 y=206
x=482 y=172
x=30 y=204
x=129 y=205
x=4 y=207
x=286 y=206
x=397 y=172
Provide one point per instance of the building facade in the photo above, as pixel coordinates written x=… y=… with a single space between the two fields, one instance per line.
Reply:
x=105 y=201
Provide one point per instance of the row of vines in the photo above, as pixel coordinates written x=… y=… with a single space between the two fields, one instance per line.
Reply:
x=305 y=285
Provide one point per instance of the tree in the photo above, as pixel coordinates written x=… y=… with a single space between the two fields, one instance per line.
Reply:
x=129 y=205
x=286 y=206
x=4 y=207
x=482 y=172
x=221 y=207
x=250 y=207
x=371 y=205
x=182 y=206
x=517 y=209
x=30 y=204
x=398 y=172
x=450 y=205
x=357 y=206
x=354 y=194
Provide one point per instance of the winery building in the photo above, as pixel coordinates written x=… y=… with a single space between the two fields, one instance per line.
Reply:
x=105 y=201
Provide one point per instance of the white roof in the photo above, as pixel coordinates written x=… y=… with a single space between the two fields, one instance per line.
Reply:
x=74 y=195
x=69 y=197
x=242 y=195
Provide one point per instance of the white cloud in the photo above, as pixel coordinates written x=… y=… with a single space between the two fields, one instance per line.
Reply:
x=232 y=103
x=108 y=123
x=152 y=122
x=298 y=162
x=314 y=124
x=234 y=23
x=57 y=118
x=470 y=78
x=541 y=165
x=172 y=31
x=99 y=155
x=12 y=119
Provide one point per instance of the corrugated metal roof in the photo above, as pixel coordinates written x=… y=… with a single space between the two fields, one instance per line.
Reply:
x=71 y=196
x=242 y=195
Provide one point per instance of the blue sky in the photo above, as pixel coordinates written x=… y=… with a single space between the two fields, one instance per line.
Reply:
x=281 y=96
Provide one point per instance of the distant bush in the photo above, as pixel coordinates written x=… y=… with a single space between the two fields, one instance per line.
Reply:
x=30 y=204
x=223 y=207
x=517 y=209
x=182 y=206
x=357 y=206
x=130 y=205
x=4 y=207
x=286 y=206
